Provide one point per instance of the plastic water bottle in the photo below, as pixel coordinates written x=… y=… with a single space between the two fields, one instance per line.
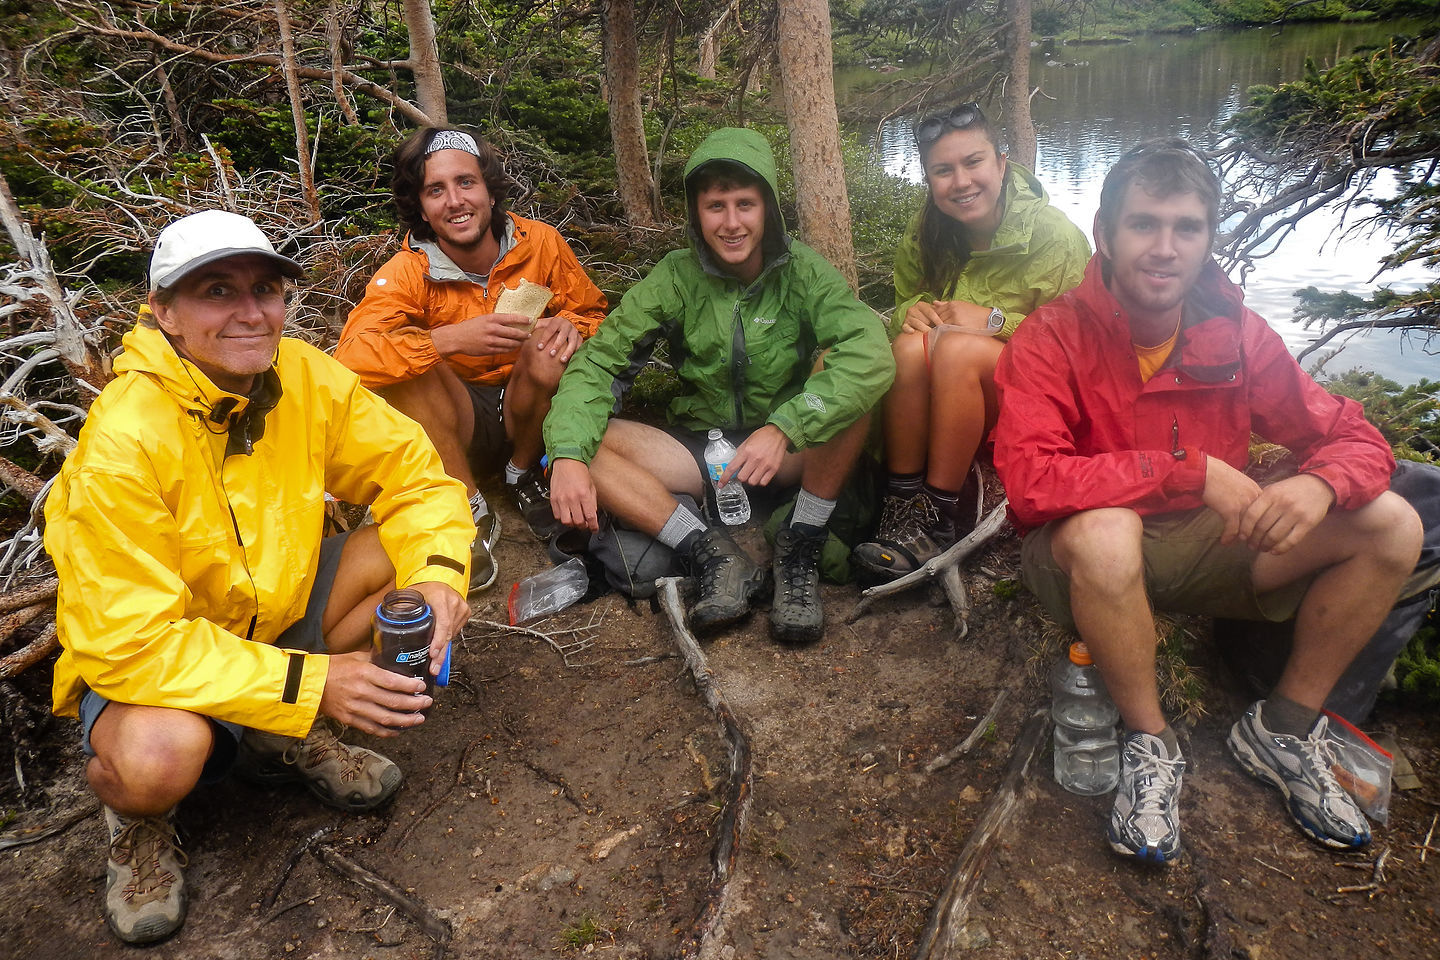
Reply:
x=1087 y=750
x=730 y=500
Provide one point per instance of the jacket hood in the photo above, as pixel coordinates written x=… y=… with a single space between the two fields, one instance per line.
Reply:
x=1024 y=199
x=149 y=353
x=748 y=149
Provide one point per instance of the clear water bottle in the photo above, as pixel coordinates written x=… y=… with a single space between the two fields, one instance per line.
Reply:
x=730 y=500
x=1087 y=750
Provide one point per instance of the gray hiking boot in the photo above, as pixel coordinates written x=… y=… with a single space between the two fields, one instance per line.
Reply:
x=1145 y=820
x=342 y=776
x=145 y=896
x=1303 y=771
x=483 y=570
x=795 y=616
x=911 y=532
x=728 y=579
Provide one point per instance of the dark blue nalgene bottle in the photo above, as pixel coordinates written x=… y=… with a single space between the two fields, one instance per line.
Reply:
x=401 y=633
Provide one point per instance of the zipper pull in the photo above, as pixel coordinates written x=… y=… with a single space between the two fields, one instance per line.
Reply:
x=1176 y=450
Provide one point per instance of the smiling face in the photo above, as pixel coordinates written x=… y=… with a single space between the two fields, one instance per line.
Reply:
x=732 y=223
x=966 y=175
x=1157 y=247
x=456 y=204
x=226 y=318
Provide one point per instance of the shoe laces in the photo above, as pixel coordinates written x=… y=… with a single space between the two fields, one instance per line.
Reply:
x=1155 y=779
x=322 y=744
x=140 y=844
x=1318 y=752
x=798 y=566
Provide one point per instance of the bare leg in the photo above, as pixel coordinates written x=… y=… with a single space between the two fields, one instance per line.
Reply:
x=962 y=404
x=147 y=758
x=1100 y=552
x=1366 y=555
x=637 y=469
x=907 y=405
x=363 y=578
x=439 y=402
x=527 y=400
x=827 y=465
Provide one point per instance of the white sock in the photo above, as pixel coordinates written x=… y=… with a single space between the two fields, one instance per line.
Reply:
x=512 y=473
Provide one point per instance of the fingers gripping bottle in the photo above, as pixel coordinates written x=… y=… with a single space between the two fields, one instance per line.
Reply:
x=730 y=500
x=1087 y=750
x=401 y=633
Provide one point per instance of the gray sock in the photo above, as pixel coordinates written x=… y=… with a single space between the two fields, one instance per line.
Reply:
x=811 y=510
x=679 y=526
x=1166 y=736
x=1283 y=715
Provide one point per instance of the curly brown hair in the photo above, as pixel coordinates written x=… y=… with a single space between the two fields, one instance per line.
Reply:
x=408 y=177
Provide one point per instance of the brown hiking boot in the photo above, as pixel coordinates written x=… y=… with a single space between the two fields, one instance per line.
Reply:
x=345 y=777
x=912 y=532
x=144 y=889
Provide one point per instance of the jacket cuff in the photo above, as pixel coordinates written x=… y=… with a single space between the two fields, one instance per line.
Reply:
x=1188 y=473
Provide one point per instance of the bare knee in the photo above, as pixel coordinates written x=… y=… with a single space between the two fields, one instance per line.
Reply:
x=536 y=371
x=910 y=359
x=963 y=355
x=1100 y=549
x=147 y=758
x=1392 y=531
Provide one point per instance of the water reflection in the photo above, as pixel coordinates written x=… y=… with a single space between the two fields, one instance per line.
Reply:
x=1101 y=100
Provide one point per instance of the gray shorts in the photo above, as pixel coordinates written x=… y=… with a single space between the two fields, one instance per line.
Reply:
x=305 y=634
x=1187 y=570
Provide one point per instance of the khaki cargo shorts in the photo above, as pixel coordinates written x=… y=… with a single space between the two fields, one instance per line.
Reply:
x=1187 y=570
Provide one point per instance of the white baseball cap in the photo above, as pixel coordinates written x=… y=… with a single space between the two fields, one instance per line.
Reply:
x=205 y=237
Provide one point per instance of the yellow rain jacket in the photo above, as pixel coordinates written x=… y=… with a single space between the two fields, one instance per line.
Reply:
x=186 y=529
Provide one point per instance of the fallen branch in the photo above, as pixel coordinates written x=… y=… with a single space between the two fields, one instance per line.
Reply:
x=941 y=566
x=310 y=840
x=1377 y=879
x=434 y=926
x=950 y=756
x=25 y=838
x=947 y=920
x=30 y=654
x=735 y=804
x=20 y=480
x=25 y=596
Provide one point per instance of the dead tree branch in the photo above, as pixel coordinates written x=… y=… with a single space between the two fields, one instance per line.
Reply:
x=947 y=920
x=735 y=804
x=965 y=746
x=30 y=654
x=435 y=927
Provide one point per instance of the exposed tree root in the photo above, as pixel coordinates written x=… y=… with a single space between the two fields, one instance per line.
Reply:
x=435 y=927
x=736 y=800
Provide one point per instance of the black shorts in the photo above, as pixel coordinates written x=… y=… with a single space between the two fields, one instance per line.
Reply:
x=489 y=448
x=305 y=634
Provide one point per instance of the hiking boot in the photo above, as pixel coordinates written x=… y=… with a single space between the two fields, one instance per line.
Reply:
x=912 y=531
x=795 y=616
x=345 y=777
x=728 y=579
x=1303 y=771
x=483 y=570
x=144 y=889
x=1145 y=820
x=531 y=496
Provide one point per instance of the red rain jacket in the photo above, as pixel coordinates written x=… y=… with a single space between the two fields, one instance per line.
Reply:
x=1078 y=430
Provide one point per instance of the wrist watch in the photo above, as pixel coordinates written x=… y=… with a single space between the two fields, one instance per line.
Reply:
x=996 y=321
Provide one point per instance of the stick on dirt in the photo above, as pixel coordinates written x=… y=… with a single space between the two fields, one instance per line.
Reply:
x=735 y=804
x=947 y=920
x=436 y=927
x=965 y=746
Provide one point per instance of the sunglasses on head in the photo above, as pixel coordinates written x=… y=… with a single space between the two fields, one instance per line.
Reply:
x=930 y=129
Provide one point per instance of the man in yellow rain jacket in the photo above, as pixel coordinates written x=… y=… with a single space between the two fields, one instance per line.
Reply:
x=204 y=620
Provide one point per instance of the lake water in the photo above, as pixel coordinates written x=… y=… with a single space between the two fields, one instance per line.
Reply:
x=1102 y=100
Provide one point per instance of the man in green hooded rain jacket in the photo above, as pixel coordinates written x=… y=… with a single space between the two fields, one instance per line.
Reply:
x=770 y=346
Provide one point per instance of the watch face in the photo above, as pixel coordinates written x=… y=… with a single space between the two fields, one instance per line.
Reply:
x=997 y=319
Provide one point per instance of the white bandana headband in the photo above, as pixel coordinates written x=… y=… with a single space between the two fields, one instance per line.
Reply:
x=453 y=140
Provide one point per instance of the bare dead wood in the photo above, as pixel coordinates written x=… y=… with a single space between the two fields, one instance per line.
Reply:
x=735 y=803
x=310 y=839
x=987 y=529
x=30 y=654
x=297 y=110
x=26 y=837
x=434 y=926
x=947 y=920
x=17 y=619
x=20 y=480
x=25 y=596
x=1377 y=879
x=965 y=746
x=335 y=26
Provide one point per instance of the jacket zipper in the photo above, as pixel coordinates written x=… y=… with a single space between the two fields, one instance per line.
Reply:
x=737 y=362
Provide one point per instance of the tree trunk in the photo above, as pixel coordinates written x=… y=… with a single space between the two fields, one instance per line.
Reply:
x=1017 y=88
x=627 y=122
x=710 y=40
x=808 y=79
x=425 y=61
x=297 y=111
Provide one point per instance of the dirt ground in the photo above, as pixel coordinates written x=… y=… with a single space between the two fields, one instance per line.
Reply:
x=568 y=804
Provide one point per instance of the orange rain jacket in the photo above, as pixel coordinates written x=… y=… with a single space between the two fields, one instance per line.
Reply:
x=387 y=338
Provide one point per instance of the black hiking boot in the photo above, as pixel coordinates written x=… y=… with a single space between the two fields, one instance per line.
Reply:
x=727 y=577
x=795 y=616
